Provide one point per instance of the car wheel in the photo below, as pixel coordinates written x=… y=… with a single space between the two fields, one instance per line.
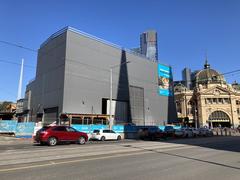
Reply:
x=52 y=141
x=119 y=138
x=42 y=143
x=103 y=138
x=82 y=140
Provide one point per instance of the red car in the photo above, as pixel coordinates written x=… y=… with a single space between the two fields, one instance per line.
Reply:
x=54 y=134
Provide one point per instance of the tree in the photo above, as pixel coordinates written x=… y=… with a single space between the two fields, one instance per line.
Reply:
x=4 y=106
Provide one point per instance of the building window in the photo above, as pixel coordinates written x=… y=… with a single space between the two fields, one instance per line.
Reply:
x=220 y=100
x=218 y=115
x=238 y=111
x=190 y=107
x=179 y=109
x=178 y=105
x=214 y=100
x=226 y=100
x=208 y=101
x=237 y=102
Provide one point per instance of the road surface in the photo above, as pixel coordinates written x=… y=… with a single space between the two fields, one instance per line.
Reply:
x=181 y=159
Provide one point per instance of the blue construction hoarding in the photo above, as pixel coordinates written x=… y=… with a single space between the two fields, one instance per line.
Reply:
x=21 y=129
x=26 y=129
x=8 y=126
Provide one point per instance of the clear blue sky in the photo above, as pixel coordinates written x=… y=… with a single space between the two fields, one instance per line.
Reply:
x=186 y=30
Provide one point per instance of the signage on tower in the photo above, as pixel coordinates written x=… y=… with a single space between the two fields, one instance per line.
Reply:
x=165 y=81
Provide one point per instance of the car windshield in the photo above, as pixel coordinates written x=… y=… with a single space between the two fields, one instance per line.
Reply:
x=70 y=129
x=168 y=128
x=96 y=131
x=44 y=128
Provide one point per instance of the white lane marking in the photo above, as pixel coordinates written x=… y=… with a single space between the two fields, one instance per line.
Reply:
x=72 y=161
x=142 y=151
x=35 y=156
x=59 y=149
x=76 y=153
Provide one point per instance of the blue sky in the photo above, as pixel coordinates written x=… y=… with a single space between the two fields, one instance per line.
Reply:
x=187 y=29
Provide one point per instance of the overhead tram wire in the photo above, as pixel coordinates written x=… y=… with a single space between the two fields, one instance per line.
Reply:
x=84 y=64
x=15 y=63
x=19 y=46
x=34 y=50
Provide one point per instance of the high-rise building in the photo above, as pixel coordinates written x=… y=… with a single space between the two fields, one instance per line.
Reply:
x=148 y=45
x=186 y=77
x=136 y=50
x=72 y=83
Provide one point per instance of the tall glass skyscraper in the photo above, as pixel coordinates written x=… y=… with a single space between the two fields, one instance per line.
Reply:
x=186 y=77
x=148 y=45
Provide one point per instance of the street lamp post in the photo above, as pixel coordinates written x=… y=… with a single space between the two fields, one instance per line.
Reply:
x=210 y=118
x=110 y=106
x=196 y=118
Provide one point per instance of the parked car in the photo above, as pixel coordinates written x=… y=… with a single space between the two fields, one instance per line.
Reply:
x=179 y=132
x=196 y=132
x=105 y=134
x=156 y=133
x=205 y=132
x=187 y=132
x=55 y=134
x=169 y=130
x=151 y=133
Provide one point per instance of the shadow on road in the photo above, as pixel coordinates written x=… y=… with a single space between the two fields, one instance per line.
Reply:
x=189 y=158
x=225 y=143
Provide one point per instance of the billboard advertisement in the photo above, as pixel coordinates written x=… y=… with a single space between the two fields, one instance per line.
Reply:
x=165 y=80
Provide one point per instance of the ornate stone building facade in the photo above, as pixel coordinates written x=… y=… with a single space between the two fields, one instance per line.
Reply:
x=212 y=102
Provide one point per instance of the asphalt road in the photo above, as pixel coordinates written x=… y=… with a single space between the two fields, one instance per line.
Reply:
x=196 y=158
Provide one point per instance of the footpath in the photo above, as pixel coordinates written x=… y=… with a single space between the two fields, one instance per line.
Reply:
x=7 y=140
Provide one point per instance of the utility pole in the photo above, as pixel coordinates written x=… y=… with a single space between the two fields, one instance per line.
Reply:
x=20 y=82
x=110 y=106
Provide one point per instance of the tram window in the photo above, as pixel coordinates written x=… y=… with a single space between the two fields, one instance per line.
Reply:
x=104 y=121
x=87 y=120
x=90 y=121
x=77 y=120
x=97 y=121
